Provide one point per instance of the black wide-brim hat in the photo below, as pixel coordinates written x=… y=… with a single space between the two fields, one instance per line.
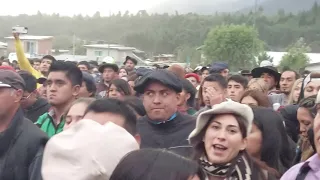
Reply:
x=257 y=72
x=108 y=65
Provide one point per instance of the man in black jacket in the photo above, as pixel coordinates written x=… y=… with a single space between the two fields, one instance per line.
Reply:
x=32 y=104
x=163 y=126
x=21 y=142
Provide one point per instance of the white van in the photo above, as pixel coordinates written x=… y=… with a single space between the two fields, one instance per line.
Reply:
x=13 y=57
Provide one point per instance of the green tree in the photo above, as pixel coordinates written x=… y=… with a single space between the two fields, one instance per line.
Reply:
x=296 y=57
x=235 y=44
x=264 y=56
x=187 y=54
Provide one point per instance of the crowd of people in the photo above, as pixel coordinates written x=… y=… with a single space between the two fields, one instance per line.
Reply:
x=84 y=121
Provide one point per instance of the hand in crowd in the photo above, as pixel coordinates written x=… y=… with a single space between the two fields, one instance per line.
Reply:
x=214 y=96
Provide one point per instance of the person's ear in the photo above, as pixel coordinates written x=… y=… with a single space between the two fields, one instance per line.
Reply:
x=76 y=90
x=17 y=94
x=188 y=96
x=243 y=145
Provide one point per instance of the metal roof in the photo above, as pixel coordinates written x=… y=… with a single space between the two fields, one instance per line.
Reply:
x=109 y=46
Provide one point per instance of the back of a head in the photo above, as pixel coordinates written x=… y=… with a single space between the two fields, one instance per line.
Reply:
x=90 y=83
x=136 y=104
x=30 y=80
x=117 y=107
x=189 y=88
x=86 y=151
x=71 y=71
x=177 y=70
x=260 y=97
x=155 y=164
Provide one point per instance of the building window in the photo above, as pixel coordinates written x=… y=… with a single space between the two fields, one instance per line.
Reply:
x=30 y=47
x=98 y=53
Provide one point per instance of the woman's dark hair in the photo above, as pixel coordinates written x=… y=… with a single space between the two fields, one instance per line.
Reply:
x=212 y=78
x=310 y=104
x=123 y=68
x=275 y=149
x=259 y=96
x=155 y=164
x=189 y=88
x=122 y=86
x=136 y=104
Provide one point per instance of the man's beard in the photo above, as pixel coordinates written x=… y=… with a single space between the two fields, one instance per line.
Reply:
x=285 y=92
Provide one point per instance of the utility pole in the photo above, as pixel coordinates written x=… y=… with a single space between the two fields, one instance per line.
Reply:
x=73 y=45
x=109 y=38
x=254 y=25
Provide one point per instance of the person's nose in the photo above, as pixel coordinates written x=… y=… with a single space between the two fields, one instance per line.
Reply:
x=156 y=99
x=221 y=134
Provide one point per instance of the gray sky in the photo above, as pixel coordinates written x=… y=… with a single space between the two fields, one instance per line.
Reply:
x=71 y=7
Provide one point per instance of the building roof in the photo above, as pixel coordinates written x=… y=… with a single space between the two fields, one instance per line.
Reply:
x=109 y=46
x=75 y=58
x=30 y=37
x=277 y=56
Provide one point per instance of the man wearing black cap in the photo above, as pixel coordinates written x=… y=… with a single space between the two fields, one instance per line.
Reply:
x=109 y=72
x=163 y=126
x=130 y=63
x=21 y=142
x=220 y=68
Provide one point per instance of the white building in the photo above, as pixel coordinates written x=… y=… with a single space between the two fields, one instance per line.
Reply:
x=314 y=64
x=97 y=52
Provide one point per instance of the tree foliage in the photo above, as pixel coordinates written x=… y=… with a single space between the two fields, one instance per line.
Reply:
x=264 y=56
x=155 y=33
x=296 y=57
x=235 y=44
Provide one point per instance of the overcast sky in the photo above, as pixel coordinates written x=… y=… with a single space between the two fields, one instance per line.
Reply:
x=71 y=7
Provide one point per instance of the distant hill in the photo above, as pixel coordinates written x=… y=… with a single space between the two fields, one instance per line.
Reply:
x=212 y=6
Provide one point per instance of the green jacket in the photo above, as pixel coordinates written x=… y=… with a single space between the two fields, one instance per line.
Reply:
x=46 y=124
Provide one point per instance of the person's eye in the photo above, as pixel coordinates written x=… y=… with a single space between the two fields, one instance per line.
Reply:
x=309 y=90
x=232 y=131
x=215 y=127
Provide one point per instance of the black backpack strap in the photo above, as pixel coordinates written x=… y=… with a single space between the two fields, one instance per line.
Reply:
x=304 y=170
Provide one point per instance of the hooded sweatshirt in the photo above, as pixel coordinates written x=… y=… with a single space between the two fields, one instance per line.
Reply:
x=40 y=107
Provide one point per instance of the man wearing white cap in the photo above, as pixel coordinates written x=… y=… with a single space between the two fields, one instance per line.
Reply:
x=86 y=151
